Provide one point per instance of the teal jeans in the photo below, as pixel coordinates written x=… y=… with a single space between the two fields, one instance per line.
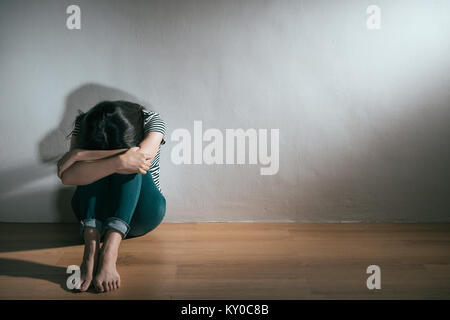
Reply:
x=129 y=203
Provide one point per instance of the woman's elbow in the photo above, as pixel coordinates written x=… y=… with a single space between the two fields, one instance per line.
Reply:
x=67 y=180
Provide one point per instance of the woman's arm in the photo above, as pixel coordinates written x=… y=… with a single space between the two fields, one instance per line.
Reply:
x=83 y=154
x=76 y=154
x=86 y=172
x=81 y=167
x=150 y=143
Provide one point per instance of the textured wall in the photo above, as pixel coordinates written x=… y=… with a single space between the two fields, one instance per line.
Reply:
x=363 y=114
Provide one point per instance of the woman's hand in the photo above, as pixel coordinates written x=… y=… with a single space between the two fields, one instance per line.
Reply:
x=67 y=160
x=134 y=161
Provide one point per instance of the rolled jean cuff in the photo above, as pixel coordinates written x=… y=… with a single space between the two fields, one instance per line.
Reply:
x=92 y=223
x=117 y=224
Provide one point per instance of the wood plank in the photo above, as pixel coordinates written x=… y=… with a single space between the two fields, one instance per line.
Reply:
x=238 y=261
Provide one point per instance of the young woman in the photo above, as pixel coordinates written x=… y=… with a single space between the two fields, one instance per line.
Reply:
x=114 y=162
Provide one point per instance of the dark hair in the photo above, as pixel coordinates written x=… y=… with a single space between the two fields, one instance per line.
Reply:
x=111 y=125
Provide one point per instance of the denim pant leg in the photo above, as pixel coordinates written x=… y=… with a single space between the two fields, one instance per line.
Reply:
x=88 y=203
x=124 y=194
x=150 y=209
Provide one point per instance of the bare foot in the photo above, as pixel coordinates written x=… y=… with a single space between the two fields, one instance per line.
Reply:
x=107 y=277
x=90 y=257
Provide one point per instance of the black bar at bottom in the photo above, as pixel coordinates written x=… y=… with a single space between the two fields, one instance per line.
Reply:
x=230 y=309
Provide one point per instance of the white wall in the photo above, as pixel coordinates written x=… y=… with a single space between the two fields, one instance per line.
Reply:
x=363 y=115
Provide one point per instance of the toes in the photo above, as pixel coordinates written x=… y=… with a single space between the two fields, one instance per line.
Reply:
x=85 y=285
x=99 y=286
x=106 y=286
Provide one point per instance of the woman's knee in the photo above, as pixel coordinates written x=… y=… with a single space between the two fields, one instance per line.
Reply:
x=157 y=216
x=119 y=177
x=144 y=225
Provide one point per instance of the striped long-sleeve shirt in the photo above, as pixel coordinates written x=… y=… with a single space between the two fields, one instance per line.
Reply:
x=152 y=123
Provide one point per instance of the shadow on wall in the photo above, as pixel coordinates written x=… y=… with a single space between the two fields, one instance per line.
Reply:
x=27 y=188
x=55 y=144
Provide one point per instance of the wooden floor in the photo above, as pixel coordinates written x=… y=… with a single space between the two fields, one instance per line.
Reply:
x=238 y=261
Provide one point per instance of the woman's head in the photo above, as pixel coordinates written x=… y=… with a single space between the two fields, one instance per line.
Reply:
x=111 y=125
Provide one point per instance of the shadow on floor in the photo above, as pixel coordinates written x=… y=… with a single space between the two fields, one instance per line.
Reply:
x=34 y=236
x=28 y=269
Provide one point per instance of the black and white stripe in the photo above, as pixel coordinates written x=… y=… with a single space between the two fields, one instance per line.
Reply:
x=152 y=123
x=76 y=129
